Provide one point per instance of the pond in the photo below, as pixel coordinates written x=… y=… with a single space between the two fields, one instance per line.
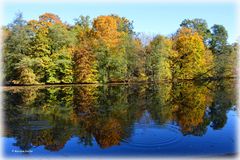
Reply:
x=163 y=119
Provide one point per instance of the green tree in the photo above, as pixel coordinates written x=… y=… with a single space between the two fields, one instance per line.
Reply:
x=17 y=53
x=158 y=59
x=218 y=40
x=225 y=65
x=136 y=60
x=61 y=45
x=225 y=55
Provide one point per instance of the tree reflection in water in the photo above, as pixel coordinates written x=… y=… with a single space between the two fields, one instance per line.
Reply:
x=50 y=116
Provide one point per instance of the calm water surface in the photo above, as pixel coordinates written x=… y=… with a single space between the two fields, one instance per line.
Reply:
x=181 y=119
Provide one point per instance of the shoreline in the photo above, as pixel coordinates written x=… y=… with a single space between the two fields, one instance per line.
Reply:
x=114 y=83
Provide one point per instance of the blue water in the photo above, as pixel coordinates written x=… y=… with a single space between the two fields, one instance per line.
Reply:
x=119 y=127
x=147 y=140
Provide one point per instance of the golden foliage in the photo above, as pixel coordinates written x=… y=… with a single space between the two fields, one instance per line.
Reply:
x=107 y=30
x=192 y=59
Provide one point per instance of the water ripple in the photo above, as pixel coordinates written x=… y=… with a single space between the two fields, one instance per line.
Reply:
x=153 y=136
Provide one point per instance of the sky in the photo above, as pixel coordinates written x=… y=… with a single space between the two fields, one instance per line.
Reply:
x=150 y=18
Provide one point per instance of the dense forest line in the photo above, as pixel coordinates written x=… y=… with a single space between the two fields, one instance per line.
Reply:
x=106 y=49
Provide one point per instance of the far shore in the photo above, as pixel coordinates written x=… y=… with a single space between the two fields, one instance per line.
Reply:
x=12 y=86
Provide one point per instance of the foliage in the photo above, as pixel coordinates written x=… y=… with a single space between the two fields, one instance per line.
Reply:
x=191 y=59
x=158 y=58
x=84 y=57
x=200 y=26
x=225 y=55
x=106 y=49
x=111 y=35
x=218 y=39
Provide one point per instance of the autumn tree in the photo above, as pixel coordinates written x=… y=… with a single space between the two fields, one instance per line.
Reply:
x=200 y=26
x=51 y=46
x=192 y=56
x=85 y=63
x=108 y=50
x=50 y=18
x=112 y=53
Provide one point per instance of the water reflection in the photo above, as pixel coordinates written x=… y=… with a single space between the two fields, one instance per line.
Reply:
x=111 y=115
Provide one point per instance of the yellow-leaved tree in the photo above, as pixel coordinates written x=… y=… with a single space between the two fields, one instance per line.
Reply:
x=111 y=49
x=193 y=60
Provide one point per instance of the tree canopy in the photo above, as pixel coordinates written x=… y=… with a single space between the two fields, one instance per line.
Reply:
x=107 y=49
